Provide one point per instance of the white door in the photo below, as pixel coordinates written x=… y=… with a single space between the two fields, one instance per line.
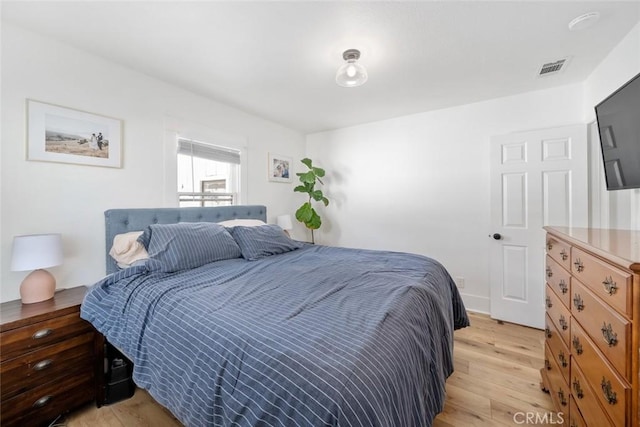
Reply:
x=537 y=178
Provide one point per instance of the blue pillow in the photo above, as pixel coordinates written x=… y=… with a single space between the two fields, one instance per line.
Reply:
x=189 y=245
x=263 y=241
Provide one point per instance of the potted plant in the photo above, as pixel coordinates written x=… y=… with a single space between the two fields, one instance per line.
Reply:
x=306 y=214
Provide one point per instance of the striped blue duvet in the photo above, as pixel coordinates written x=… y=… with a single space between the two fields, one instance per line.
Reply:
x=319 y=336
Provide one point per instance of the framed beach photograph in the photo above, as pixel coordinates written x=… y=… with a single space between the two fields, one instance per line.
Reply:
x=279 y=168
x=64 y=135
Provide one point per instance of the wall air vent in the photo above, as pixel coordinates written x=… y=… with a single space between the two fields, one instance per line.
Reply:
x=550 y=68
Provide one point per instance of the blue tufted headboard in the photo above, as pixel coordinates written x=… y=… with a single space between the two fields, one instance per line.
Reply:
x=118 y=221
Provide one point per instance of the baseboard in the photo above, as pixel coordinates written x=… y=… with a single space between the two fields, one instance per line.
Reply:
x=476 y=303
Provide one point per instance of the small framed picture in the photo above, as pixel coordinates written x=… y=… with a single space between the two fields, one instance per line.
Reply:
x=279 y=168
x=64 y=135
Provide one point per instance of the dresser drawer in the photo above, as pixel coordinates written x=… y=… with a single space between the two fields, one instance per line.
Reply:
x=559 y=251
x=559 y=351
x=46 y=364
x=560 y=280
x=608 y=282
x=575 y=417
x=609 y=330
x=28 y=338
x=611 y=390
x=558 y=387
x=585 y=398
x=48 y=400
x=559 y=314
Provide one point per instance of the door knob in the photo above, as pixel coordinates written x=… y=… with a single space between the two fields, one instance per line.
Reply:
x=496 y=236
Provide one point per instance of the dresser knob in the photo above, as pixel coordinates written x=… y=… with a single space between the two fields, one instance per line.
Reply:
x=549 y=272
x=577 y=302
x=563 y=255
x=42 y=401
x=563 y=399
x=609 y=285
x=578 y=264
x=43 y=364
x=563 y=322
x=577 y=388
x=563 y=359
x=548 y=302
x=563 y=287
x=549 y=245
x=609 y=336
x=577 y=345
x=42 y=333
x=610 y=395
x=547 y=332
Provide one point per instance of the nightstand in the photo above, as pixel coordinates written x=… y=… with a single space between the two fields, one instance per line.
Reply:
x=50 y=359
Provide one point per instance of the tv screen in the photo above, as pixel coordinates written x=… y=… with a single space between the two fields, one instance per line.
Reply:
x=618 y=119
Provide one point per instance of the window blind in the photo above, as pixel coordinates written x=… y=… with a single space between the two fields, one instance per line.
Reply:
x=188 y=147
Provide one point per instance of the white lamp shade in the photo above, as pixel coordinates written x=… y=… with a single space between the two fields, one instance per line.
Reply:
x=284 y=222
x=36 y=251
x=351 y=74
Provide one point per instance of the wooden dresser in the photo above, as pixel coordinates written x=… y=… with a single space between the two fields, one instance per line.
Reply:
x=50 y=359
x=592 y=317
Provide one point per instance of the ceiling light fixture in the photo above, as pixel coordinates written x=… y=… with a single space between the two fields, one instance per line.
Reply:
x=584 y=21
x=351 y=74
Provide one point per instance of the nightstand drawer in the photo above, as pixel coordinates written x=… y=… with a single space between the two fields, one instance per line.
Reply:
x=18 y=341
x=47 y=364
x=45 y=402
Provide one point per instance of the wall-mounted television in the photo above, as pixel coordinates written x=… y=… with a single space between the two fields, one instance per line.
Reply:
x=618 y=118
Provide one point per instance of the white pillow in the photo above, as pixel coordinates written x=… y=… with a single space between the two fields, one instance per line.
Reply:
x=126 y=249
x=242 y=222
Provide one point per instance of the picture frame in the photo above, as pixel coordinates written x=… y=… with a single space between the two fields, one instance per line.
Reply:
x=279 y=168
x=66 y=135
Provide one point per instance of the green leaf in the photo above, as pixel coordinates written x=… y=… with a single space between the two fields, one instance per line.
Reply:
x=325 y=201
x=304 y=213
x=300 y=189
x=318 y=171
x=314 y=222
x=308 y=177
x=317 y=195
x=307 y=162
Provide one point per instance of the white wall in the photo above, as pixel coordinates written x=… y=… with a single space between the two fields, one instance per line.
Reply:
x=614 y=209
x=420 y=183
x=41 y=197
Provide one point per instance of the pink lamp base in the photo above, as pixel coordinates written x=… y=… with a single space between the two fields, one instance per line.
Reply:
x=39 y=285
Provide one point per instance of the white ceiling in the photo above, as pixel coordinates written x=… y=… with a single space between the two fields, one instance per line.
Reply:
x=278 y=59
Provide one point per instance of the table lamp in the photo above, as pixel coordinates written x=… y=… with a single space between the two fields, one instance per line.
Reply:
x=284 y=222
x=35 y=252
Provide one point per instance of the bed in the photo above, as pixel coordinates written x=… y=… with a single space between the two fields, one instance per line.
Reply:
x=309 y=336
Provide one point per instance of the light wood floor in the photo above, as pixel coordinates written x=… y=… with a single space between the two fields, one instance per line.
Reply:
x=496 y=376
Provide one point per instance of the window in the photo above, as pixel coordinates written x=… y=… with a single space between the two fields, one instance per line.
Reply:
x=208 y=175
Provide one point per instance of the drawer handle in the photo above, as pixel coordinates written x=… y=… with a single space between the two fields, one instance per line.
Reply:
x=547 y=364
x=547 y=332
x=563 y=255
x=43 y=364
x=577 y=388
x=577 y=345
x=42 y=333
x=563 y=322
x=549 y=272
x=609 y=336
x=42 y=401
x=579 y=265
x=610 y=395
x=548 y=302
x=563 y=399
x=578 y=303
x=563 y=360
x=609 y=285
x=563 y=286
x=549 y=245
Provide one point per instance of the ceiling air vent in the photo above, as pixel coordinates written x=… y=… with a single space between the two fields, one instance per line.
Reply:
x=552 y=67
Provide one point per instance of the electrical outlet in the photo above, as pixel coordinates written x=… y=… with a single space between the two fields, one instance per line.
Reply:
x=459 y=282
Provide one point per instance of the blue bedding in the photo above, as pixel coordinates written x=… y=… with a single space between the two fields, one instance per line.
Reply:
x=319 y=336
